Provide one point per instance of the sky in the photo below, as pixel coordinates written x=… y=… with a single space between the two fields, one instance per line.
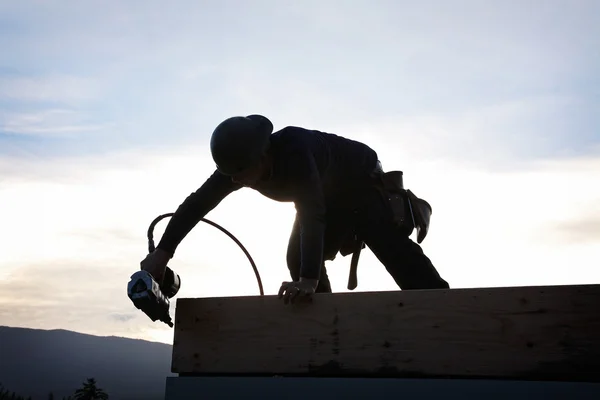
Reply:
x=491 y=109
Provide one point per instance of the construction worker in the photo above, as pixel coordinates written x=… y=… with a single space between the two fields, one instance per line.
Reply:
x=336 y=186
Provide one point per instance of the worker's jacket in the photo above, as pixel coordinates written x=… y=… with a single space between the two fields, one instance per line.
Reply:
x=316 y=171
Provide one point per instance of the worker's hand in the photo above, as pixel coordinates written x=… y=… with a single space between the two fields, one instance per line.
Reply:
x=289 y=291
x=155 y=263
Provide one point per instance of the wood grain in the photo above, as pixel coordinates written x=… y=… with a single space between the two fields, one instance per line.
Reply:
x=543 y=332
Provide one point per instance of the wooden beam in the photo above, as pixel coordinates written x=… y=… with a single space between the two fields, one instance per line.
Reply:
x=539 y=333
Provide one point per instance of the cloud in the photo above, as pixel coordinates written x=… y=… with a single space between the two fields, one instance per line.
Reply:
x=98 y=235
x=581 y=229
x=66 y=89
x=70 y=293
x=123 y=317
x=503 y=136
x=54 y=122
x=49 y=107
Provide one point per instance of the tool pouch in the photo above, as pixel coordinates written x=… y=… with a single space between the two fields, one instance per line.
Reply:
x=421 y=212
x=409 y=211
x=393 y=188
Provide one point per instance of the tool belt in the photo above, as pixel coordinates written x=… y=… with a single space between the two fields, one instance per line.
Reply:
x=409 y=212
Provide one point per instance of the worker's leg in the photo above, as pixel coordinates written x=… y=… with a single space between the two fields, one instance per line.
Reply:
x=294 y=257
x=403 y=258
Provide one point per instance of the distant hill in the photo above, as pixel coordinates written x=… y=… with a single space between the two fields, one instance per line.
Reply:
x=35 y=362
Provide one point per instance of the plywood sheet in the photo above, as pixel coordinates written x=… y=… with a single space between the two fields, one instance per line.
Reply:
x=545 y=332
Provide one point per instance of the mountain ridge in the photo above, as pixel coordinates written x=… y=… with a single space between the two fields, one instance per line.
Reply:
x=35 y=362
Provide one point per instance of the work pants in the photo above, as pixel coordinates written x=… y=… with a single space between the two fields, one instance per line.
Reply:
x=372 y=220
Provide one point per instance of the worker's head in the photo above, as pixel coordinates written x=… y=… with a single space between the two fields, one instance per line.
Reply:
x=239 y=147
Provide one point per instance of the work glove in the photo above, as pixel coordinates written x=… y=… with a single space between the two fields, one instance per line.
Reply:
x=289 y=291
x=155 y=264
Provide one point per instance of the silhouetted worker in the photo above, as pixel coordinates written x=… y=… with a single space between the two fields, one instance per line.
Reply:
x=342 y=197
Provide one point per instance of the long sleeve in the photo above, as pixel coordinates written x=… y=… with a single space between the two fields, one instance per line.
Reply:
x=194 y=208
x=310 y=206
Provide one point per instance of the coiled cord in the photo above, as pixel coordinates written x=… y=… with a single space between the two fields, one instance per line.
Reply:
x=151 y=246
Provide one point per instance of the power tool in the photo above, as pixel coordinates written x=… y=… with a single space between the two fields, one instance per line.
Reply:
x=154 y=298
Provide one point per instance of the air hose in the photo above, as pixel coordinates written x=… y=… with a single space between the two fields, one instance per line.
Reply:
x=151 y=246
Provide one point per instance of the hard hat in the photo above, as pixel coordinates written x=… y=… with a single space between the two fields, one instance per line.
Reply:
x=238 y=142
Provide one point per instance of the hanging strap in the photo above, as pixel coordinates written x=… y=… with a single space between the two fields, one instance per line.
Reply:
x=353 y=277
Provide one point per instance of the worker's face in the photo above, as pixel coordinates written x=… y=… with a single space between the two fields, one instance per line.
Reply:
x=250 y=176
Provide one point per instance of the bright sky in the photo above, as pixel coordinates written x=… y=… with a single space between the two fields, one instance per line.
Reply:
x=491 y=109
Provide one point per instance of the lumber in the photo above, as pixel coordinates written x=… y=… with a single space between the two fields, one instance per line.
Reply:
x=532 y=333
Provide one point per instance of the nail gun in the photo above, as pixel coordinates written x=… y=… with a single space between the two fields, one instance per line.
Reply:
x=147 y=294
x=152 y=298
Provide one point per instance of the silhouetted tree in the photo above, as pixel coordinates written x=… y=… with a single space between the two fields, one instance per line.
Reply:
x=90 y=391
x=5 y=394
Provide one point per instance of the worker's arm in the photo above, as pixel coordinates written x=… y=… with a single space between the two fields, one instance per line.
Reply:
x=194 y=208
x=310 y=206
x=304 y=175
